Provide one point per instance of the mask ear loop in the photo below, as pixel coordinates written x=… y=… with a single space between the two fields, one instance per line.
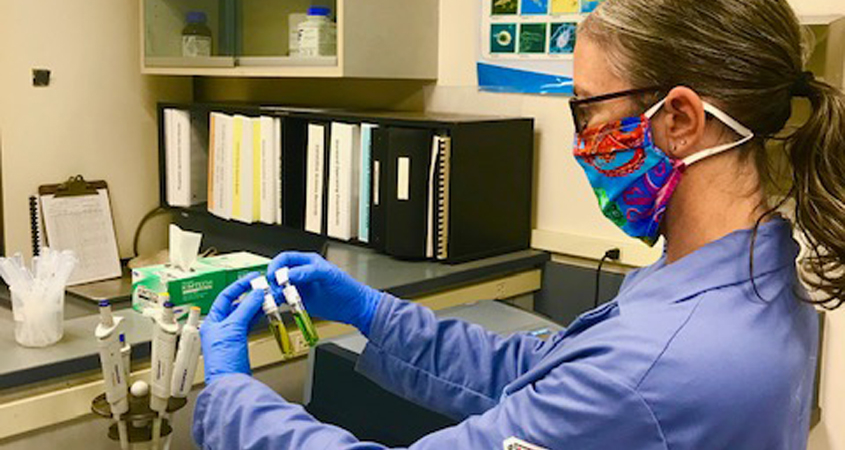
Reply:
x=743 y=131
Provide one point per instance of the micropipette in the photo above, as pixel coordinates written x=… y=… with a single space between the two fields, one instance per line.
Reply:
x=114 y=372
x=164 y=346
x=274 y=318
x=187 y=356
x=300 y=315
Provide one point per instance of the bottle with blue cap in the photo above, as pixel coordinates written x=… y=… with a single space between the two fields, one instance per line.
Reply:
x=318 y=34
x=196 y=36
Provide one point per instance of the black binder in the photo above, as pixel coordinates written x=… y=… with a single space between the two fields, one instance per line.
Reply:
x=378 y=176
x=293 y=173
x=327 y=150
x=407 y=191
x=475 y=203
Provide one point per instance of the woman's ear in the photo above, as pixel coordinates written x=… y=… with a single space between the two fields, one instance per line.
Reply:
x=680 y=126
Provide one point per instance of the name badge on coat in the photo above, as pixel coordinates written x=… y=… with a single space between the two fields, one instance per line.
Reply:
x=513 y=443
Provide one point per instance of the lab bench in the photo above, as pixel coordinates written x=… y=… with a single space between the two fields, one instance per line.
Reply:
x=53 y=385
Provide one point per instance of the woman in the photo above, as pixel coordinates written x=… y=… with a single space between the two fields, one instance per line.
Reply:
x=713 y=346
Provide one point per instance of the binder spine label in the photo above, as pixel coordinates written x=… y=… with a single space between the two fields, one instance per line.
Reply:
x=376 y=181
x=403 y=179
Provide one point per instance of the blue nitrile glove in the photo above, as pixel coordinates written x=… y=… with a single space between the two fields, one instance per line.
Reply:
x=223 y=334
x=327 y=292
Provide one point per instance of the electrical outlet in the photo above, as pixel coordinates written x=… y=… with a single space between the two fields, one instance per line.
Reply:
x=40 y=77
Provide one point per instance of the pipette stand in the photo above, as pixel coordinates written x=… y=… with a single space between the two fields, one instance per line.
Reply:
x=139 y=419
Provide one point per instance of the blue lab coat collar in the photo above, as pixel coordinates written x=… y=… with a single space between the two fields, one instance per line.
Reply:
x=724 y=262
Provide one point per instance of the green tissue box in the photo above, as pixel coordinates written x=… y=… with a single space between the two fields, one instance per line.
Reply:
x=198 y=287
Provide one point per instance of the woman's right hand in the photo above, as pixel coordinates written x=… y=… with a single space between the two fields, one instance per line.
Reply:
x=327 y=292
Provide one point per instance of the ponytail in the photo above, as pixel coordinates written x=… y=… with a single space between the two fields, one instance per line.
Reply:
x=817 y=155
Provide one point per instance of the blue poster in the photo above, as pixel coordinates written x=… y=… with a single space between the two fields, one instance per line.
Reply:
x=535 y=7
x=527 y=46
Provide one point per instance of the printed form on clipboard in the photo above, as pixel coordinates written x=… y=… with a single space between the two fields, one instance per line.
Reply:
x=77 y=216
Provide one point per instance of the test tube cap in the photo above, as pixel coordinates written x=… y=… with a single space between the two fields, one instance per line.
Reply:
x=282 y=276
x=259 y=283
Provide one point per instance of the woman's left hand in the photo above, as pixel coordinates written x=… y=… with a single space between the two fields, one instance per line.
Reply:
x=224 y=332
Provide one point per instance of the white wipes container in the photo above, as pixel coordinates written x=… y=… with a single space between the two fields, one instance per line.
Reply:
x=317 y=35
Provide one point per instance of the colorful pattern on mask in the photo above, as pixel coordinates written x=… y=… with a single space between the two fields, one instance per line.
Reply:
x=632 y=178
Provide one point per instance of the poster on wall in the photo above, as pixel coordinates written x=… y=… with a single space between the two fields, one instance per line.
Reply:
x=526 y=45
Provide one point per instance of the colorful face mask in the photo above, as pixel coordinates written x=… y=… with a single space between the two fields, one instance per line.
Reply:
x=632 y=178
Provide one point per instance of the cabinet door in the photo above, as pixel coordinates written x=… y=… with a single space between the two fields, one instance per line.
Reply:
x=268 y=32
x=189 y=33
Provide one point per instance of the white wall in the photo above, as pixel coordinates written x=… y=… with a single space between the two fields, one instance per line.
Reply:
x=566 y=216
x=97 y=118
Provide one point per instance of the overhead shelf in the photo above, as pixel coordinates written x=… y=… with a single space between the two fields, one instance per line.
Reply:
x=250 y=39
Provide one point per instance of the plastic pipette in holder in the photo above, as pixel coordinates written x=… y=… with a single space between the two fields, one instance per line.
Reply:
x=300 y=315
x=274 y=318
x=114 y=371
x=164 y=347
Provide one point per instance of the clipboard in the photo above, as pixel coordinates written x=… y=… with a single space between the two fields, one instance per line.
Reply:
x=77 y=216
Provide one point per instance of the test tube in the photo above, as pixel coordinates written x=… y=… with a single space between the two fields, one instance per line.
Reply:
x=274 y=319
x=300 y=315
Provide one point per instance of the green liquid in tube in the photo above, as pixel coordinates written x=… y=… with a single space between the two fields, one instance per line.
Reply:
x=282 y=339
x=303 y=321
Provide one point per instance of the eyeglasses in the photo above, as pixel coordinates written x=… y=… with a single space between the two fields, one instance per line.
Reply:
x=579 y=106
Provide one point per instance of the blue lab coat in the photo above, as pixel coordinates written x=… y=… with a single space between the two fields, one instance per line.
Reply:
x=685 y=357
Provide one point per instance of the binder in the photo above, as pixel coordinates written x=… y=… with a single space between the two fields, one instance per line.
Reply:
x=186 y=157
x=378 y=175
x=237 y=172
x=343 y=181
x=365 y=182
x=409 y=162
x=277 y=171
x=245 y=208
x=294 y=173
x=268 y=170
x=316 y=148
x=220 y=166
x=256 y=170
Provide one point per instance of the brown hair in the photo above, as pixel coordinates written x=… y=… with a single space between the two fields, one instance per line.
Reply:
x=748 y=56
